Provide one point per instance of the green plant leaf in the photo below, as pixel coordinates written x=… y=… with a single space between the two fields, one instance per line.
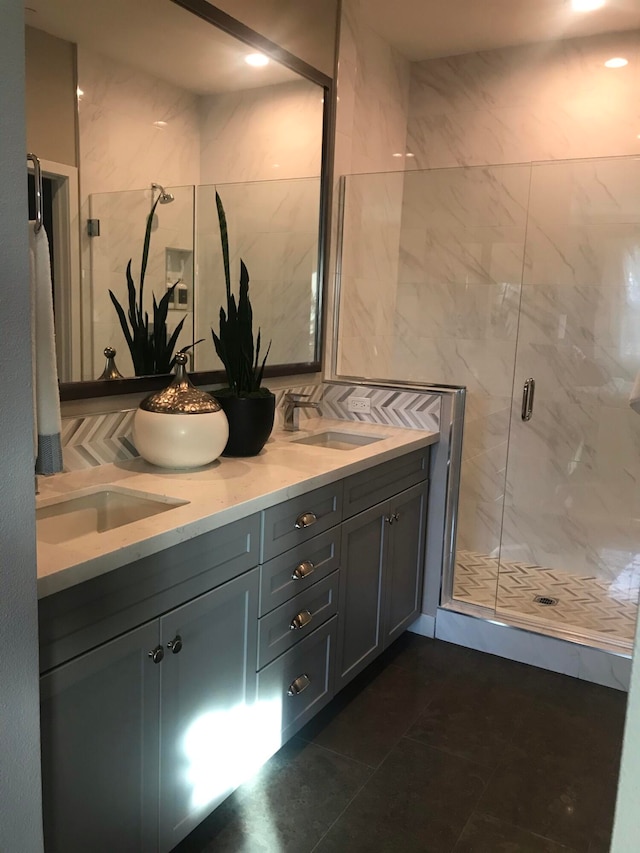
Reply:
x=234 y=342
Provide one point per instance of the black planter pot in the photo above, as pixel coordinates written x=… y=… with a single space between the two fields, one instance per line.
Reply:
x=250 y=423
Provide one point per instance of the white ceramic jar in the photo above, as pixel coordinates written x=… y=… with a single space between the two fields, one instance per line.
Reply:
x=181 y=426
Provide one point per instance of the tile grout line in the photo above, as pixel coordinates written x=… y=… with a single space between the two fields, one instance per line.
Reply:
x=374 y=771
x=328 y=749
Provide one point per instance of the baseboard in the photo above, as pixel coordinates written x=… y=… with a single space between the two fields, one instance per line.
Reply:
x=580 y=661
x=424 y=625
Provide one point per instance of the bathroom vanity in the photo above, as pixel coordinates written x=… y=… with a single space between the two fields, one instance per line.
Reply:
x=178 y=655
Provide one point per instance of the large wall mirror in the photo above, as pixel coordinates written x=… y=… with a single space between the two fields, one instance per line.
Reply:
x=132 y=103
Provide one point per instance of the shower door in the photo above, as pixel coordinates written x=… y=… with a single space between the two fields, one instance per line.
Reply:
x=570 y=544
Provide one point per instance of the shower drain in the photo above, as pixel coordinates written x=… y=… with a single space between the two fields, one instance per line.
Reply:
x=545 y=601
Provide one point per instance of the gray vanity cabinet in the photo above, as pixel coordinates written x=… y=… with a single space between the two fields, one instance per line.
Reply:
x=207 y=690
x=361 y=592
x=382 y=561
x=404 y=562
x=99 y=721
x=142 y=735
x=168 y=681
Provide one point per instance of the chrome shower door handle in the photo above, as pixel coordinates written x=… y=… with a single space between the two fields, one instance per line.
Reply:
x=527 y=399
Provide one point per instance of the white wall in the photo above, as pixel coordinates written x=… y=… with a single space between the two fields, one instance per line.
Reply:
x=20 y=799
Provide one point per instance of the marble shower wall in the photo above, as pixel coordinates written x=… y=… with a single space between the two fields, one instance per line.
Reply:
x=548 y=101
x=572 y=469
x=460 y=281
x=573 y=479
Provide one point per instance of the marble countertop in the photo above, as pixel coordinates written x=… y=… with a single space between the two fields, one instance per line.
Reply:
x=219 y=493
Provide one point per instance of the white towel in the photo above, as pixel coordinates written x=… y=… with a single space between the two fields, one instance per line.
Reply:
x=47 y=397
x=634 y=399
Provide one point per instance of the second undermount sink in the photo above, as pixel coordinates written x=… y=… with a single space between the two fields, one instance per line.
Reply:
x=96 y=510
x=335 y=440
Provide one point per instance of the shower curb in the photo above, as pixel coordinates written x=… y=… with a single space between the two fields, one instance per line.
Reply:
x=600 y=666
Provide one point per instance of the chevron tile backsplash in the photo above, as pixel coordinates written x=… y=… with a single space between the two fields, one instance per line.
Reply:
x=99 y=439
x=391 y=406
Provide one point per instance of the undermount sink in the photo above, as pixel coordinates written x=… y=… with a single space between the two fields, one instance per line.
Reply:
x=338 y=440
x=96 y=510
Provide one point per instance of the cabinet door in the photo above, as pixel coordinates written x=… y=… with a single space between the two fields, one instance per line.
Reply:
x=211 y=730
x=404 y=561
x=99 y=721
x=360 y=603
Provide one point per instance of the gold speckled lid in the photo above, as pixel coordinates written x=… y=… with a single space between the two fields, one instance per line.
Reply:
x=181 y=397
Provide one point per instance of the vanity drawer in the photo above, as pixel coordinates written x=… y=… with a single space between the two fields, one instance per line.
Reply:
x=368 y=488
x=301 y=681
x=285 y=626
x=295 y=521
x=298 y=569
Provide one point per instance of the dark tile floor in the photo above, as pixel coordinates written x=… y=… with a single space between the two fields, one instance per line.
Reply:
x=436 y=748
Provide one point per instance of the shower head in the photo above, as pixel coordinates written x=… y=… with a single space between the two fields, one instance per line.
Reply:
x=165 y=197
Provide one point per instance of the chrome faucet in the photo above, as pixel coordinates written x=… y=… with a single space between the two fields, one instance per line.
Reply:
x=292 y=404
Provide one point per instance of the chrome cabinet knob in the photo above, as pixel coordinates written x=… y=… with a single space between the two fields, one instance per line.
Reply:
x=396 y=516
x=306 y=520
x=299 y=685
x=301 y=620
x=389 y=519
x=175 y=645
x=303 y=570
x=156 y=654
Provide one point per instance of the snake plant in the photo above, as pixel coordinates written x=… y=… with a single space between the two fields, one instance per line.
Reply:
x=150 y=345
x=234 y=342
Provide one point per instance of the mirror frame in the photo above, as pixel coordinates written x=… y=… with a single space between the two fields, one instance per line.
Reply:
x=108 y=388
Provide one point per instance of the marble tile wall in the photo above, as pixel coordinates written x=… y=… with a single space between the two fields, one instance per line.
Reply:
x=265 y=134
x=547 y=101
x=371 y=123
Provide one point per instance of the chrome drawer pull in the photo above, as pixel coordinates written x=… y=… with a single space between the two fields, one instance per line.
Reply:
x=303 y=570
x=301 y=620
x=306 y=520
x=299 y=685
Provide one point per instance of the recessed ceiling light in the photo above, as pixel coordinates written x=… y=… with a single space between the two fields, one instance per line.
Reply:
x=160 y=124
x=79 y=93
x=397 y=154
x=409 y=154
x=616 y=62
x=256 y=59
x=586 y=5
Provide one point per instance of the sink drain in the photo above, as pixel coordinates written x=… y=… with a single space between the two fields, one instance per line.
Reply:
x=545 y=601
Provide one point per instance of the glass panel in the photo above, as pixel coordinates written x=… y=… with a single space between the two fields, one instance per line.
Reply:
x=572 y=513
x=430 y=288
x=122 y=218
x=273 y=228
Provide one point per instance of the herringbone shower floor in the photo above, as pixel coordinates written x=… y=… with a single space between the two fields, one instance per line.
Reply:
x=584 y=604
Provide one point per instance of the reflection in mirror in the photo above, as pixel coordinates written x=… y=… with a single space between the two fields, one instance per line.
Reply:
x=164 y=98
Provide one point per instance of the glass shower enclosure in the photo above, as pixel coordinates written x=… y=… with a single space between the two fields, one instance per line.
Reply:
x=521 y=283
